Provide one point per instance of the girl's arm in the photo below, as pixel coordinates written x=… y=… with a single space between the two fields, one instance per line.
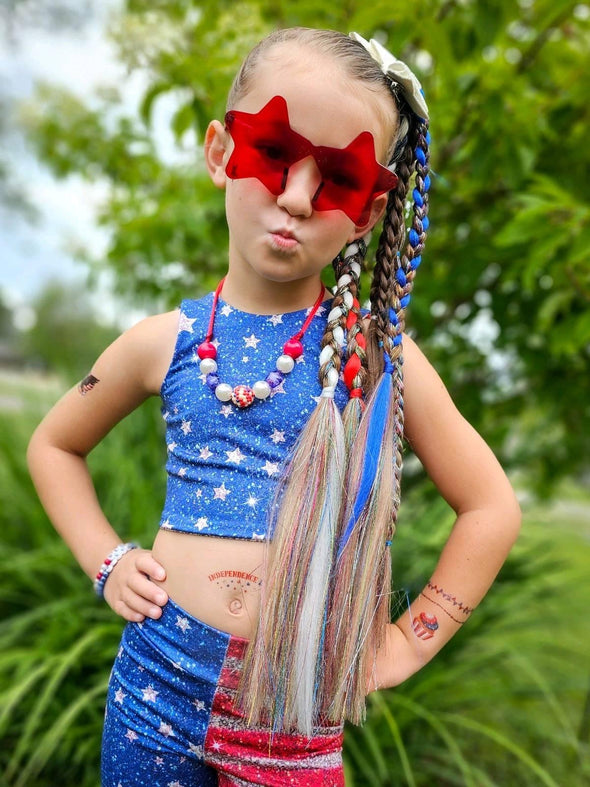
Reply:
x=471 y=480
x=129 y=371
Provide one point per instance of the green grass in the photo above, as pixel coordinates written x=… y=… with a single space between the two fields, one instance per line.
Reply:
x=503 y=704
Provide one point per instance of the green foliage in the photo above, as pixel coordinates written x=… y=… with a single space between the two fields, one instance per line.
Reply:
x=507 y=255
x=500 y=705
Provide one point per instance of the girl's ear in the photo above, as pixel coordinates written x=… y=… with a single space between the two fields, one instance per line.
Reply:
x=215 y=147
x=377 y=211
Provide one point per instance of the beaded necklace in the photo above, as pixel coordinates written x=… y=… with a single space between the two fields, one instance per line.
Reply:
x=244 y=395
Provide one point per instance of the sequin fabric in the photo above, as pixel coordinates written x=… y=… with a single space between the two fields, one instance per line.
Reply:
x=224 y=462
x=171 y=719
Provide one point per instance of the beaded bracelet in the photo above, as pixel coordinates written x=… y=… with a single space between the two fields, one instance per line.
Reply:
x=109 y=564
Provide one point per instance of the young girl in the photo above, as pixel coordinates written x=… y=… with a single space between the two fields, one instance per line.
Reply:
x=259 y=619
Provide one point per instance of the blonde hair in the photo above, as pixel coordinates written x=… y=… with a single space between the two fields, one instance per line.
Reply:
x=325 y=602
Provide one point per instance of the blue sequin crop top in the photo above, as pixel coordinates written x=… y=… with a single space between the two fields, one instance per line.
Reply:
x=224 y=462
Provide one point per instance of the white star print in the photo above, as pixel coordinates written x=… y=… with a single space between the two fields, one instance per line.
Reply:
x=252 y=501
x=171 y=447
x=203 y=378
x=251 y=341
x=149 y=695
x=165 y=415
x=166 y=524
x=120 y=653
x=120 y=696
x=226 y=310
x=175 y=784
x=220 y=492
x=277 y=436
x=215 y=343
x=300 y=359
x=245 y=359
x=257 y=536
x=321 y=310
x=317 y=399
x=159 y=761
x=235 y=456
x=198 y=750
x=186 y=427
x=276 y=319
x=182 y=624
x=185 y=323
x=182 y=472
x=166 y=729
x=201 y=522
x=226 y=410
x=278 y=389
x=198 y=493
x=199 y=704
x=132 y=736
x=271 y=468
x=205 y=453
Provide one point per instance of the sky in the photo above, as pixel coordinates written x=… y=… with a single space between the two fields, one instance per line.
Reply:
x=31 y=254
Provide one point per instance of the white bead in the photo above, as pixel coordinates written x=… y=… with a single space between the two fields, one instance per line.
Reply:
x=261 y=389
x=355 y=268
x=335 y=314
x=208 y=365
x=351 y=250
x=348 y=299
x=326 y=355
x=223 y=392
x=332 y=377
x=338 y=334
x=285 y=364
x=344 y=280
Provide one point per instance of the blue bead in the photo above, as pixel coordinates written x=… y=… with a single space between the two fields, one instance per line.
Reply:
x=392 y=316
x=212 y=380
x=404 y=301
x=421 y=156
x=397 y=340
x=425 y=223
x=427 y=137
x=401 y=277
x=427 y=183
x=418 y=198
x=414 y=238
x=416 y=262
x=387 y=365
x=274 y=379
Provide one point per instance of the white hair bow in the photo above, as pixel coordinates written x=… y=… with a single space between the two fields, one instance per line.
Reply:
x=397 y=71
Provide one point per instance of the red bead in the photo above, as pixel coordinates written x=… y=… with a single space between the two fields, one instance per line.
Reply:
x=206 y=350
x=293 y=348
x=242 y=396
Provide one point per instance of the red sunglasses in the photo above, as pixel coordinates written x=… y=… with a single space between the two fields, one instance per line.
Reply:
x=265 y=147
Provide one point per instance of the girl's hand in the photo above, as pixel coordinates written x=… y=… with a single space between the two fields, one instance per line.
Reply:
x=129 y=590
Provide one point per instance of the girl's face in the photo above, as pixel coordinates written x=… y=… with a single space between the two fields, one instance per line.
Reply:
x=284 y=239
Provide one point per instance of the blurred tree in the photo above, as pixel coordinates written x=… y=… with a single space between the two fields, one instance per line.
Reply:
x=502 y=299
x=66 y=338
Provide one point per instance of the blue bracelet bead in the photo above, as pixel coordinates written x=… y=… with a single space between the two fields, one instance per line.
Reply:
x=418 y=198
x=414 y=238
x=401 y=277
x=405 y=301
x=421 y=156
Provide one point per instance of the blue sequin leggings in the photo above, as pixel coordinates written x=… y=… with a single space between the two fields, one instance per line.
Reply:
x=171 y=720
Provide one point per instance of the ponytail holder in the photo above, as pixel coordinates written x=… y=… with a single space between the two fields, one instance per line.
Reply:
x=387 y=365
x=398 y=72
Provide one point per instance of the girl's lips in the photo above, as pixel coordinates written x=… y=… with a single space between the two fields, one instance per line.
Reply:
x=282 y=239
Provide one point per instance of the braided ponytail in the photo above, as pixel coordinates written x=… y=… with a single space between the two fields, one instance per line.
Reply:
x=359 y=609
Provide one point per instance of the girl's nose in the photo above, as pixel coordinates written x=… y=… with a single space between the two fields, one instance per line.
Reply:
x=301 y=182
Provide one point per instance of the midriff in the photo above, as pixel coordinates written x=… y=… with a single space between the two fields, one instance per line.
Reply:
x=216 y=580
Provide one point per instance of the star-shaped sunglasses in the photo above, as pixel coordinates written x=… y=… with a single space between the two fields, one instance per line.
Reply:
x=265 y=147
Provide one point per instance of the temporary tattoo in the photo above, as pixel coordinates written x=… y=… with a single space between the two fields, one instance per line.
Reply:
x=235 y=580
x=447 y=597
x=425 y=625
x=432 y=601
x=88 y=384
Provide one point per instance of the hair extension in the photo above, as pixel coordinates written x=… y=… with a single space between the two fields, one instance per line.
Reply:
x=299 y=665
x=359 y=610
